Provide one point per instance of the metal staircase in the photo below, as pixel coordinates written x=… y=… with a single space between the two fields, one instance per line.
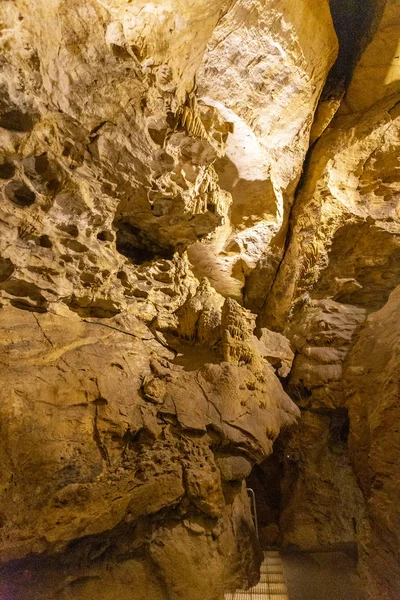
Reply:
x=272 y=584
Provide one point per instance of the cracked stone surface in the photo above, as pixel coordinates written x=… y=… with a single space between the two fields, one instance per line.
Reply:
x=117 y=467
x=335 y=282
x=199 y=243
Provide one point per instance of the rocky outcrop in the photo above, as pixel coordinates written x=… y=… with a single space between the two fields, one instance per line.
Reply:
x=126 y=463
x=342 y=263
x=112 y=151
x=373 y=393
x=283 y=50
x=340 y=267
x=130 y=170
x=176 y=264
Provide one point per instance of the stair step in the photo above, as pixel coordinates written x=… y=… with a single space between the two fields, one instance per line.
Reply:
x=272 y=578
x=272 y=561
x=277 y=588
x=274 y=569
x=255 y=596
x=260 y=588
x=271 y=585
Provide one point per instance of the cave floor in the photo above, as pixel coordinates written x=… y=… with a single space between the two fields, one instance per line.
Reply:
x=304 y=576
x=321 y=576
x=272 y=582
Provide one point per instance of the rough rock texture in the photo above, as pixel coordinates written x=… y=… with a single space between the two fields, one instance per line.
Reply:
x=341 y=264
x=373 y=395
x=112 y=147
x=199 y=221
x=126 y=461
x=283 y=49
x=134 y=400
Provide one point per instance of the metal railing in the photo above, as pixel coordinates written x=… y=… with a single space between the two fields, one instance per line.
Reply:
x=252 y=495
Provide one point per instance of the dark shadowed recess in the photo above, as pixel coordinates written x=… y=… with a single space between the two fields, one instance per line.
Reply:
x=7 y=170
x=12 y=117
x=355 y=23
x=19 y=194
x=133 y=243
x=265 y=480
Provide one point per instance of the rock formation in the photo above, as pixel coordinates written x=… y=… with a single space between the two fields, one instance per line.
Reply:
x=341 y=264
x=372 y=384
x=199 y=242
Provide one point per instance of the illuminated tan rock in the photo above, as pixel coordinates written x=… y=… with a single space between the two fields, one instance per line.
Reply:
x=341 y=264
x=372 y=386
x=285 y=61
x=157 y=285
x=108 y=465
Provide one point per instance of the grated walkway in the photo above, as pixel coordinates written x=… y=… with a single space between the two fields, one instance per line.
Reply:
x=272 y=584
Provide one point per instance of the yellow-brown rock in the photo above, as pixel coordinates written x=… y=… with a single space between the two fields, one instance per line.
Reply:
x=372 y=382
x=95 y=466
x=332 y=299
x=199 y=240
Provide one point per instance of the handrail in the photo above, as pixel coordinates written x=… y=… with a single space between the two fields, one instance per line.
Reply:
x=254 y=511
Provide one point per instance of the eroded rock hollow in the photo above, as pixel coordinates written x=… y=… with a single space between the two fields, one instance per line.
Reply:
x=199 y=256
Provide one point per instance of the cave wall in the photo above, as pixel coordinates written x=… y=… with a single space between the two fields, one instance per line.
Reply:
x=199 y=220
x=339 y=270
x=135 y=396
x=122 y=467
x=373 y=398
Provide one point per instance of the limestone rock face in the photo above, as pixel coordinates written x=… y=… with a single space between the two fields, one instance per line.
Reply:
x=379 y=63
x=174 y=268
x=346 y=210
x=373 y=394
x=341 y=264
x=283 y=49
x=116 y=458
x=322 y=506
x=111 y=156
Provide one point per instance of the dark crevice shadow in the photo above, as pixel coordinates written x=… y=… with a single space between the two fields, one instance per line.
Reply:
x=355 y=23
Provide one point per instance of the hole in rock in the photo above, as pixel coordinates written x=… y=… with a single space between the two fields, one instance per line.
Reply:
x=53 y=185
x=135 y=245
x=74 y=245
x=137 y=293
x=100 y=308
x=42 y=173
x=25 y=305
x=45 y=241
x=157 y=134
x=16 y=120
x=265 y=480
x=71 y=230
x=120 y=52
x=88 y=278
x=19 y=194
x=66 y=258
x=41 y=164
x=23 y=289
x=27 y=295
x=105 y=236
x=345 y=430
x=7 y=170
x=6 y=269
x=339 y=429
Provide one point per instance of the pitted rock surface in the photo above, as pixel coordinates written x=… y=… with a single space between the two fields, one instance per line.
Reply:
x=199 y=244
